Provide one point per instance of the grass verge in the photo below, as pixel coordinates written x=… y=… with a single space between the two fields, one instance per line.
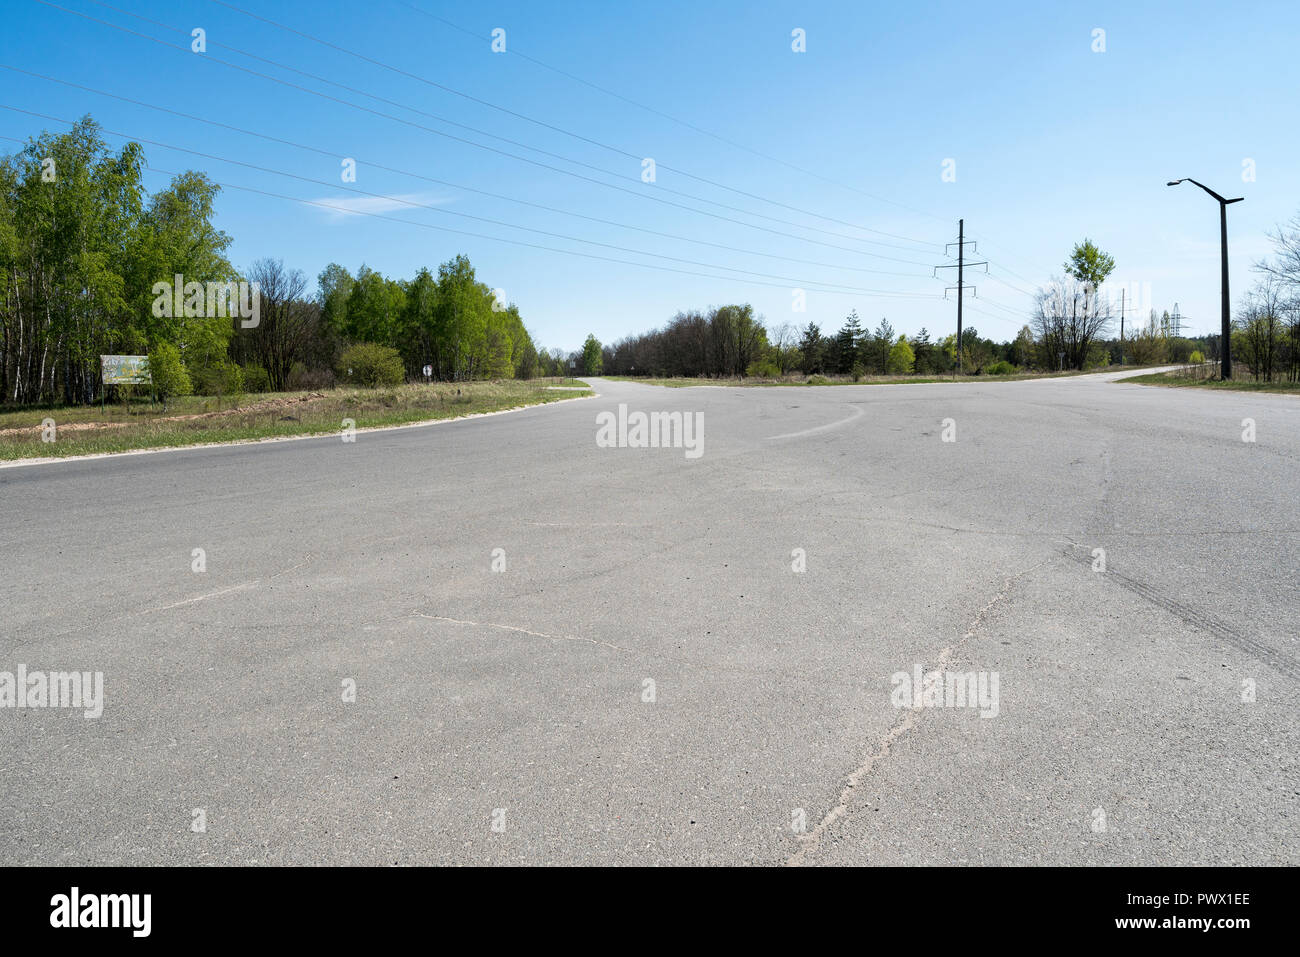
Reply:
x=86 y=430
x=1180 y=379
x=817 y=380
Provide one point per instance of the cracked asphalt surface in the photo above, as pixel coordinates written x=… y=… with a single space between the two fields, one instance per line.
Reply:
x=326 y=562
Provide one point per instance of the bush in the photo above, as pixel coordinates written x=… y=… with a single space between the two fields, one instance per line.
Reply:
x=763 y=369
x=1196 y=358
x=170 y=377
x=369 y=364
x=902 y=359
x=858 y=371
x=303 y=379
x=1001 y=367
x=219 y=378
x=818 y=380
x=256 y=378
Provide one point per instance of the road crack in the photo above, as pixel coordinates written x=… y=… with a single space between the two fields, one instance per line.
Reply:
x=810 y=842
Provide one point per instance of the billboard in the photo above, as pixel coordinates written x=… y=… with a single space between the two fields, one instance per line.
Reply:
x=125 y=370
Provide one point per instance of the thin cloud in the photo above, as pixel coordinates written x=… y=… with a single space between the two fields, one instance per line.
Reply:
x=345 y=207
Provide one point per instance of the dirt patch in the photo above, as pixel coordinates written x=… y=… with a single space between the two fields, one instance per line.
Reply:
x=266 y=405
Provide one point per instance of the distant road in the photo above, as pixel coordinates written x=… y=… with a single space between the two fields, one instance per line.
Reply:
x=516 y=698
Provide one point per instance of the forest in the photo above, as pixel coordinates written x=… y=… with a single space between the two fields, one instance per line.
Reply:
x=86 y=252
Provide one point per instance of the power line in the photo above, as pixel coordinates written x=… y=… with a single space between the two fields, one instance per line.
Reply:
x=514 y=242
x=543 y=123
x=514 y=50
x=334 y=154
x=640 y=194
x=990 y=315
x=484 y=219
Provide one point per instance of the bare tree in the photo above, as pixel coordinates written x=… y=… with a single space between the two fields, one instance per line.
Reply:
x=1261 y=328
x=1284 y=269
x=1069 y=316
x=288 y=320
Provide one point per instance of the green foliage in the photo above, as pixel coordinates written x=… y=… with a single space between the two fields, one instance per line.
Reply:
x=168 y=372
x=592 y=357
x=765 y=368
x=80 y=253
x=812 y=348
x=1196 y=358
x=256 y=378
x=370 y=364
x=85 y=255
x=818 y=380
x=220 y=378
x=901 y=359
x=1180 y=349
x=1001 y=367
x=1088 y=264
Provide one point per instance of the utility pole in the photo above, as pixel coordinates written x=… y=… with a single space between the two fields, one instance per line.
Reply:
x=1122 y=298
x=961 y=267
x=961 y=249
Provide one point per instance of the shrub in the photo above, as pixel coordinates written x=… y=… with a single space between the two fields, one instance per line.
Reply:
x=763 y=369
x=858 y=371
x=818 y=380
x=256 y=378
x=218 y=378
x=902 y=360
x=1196 y=358
x=369 y=364
x=302 y=378
x=170 y=377
x=1001 y=367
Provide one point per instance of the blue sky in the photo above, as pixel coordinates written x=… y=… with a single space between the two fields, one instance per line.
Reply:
x=1051 y=141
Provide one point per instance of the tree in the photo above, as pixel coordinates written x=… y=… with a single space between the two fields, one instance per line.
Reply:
x=874 y=351
x=924 y=351
x=1089 y=265
x=1284 y=270
x=80 y=253
x=846 y=343
x=1068 y=317
x=901 y=358
x=1148 y=345
x=592 y=359
x=812 y=348
x=287 y=322
x=168 y=372
x=784 y=353
x=1259 y=333
x=1022 y=349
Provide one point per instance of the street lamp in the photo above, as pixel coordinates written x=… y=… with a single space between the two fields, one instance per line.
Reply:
x=1225 y=368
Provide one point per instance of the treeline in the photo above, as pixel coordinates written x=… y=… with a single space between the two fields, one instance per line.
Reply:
x=697 y=345
x=732 y=341
x=449 y=321
x=89 y=259
x=1071 y=328
x=81 y=246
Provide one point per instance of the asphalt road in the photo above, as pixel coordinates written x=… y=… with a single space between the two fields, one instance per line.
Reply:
x=1124 y=733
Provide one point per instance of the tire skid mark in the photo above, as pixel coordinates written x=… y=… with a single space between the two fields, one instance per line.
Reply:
x=1273 y=657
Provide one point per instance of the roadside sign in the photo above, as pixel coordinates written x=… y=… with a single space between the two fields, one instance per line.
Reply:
x=125 y=370
x=428 y=371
